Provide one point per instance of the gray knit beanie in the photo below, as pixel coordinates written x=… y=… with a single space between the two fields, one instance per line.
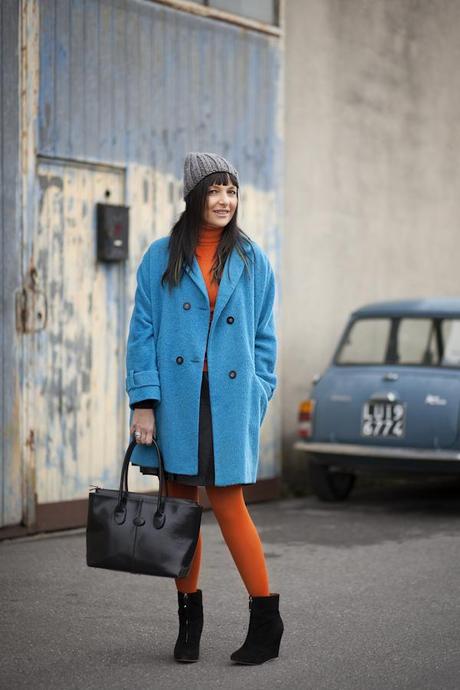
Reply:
x=198 y=165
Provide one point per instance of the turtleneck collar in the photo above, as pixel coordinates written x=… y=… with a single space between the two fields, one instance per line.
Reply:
x=209 y=236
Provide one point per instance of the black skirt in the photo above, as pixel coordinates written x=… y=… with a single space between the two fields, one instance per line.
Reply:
x=205 y=476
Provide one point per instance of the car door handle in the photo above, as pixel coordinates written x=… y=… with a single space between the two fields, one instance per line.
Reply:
x=377 y=397
x=390 y=376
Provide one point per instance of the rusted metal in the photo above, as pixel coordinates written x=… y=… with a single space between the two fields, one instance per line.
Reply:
x=31 y=305
x=30 y=441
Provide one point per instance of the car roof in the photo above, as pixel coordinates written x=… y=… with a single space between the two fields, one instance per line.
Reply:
x=433 y=306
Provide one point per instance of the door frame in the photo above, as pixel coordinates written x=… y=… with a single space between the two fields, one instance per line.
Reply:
x=29 y=68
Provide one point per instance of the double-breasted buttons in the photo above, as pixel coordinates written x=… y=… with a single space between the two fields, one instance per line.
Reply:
x=230 y=319
x=179 y=359
x=232 y=374
x=186 y=305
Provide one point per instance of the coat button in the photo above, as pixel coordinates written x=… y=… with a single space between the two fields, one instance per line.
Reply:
x=186 y=305
x=179 y=359
x=232 y=374
x=230 y=319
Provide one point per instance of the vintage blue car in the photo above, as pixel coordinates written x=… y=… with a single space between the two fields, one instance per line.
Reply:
x=389 y=400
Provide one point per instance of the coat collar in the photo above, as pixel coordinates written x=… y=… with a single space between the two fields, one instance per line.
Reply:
x=231 y=274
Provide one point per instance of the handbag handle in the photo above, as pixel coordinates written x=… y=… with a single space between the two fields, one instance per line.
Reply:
x=161 y=468
x=120 y=508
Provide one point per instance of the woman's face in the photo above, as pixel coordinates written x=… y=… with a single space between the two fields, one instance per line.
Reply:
x=220 y=206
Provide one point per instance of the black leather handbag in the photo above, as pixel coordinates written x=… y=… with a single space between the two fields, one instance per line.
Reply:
x=153 y=535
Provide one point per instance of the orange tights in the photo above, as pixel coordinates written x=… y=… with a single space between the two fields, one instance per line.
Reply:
x=239 y=532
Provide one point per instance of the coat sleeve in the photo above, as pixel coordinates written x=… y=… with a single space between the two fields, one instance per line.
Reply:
x=144 y=404
x=265 y=340
x=142 y=379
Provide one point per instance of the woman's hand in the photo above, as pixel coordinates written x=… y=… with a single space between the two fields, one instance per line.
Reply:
x=143 y=421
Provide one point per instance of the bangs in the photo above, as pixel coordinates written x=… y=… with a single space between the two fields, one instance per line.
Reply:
x=220 y=178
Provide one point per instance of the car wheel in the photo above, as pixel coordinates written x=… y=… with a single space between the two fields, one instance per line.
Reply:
x=329 y=485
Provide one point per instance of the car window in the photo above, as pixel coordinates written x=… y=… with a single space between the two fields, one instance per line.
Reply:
x=366 y=342
x=450 y=329
x=407 y=341
x=416 y=342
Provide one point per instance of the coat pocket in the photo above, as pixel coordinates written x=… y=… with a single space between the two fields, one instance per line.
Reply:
x=263 y=398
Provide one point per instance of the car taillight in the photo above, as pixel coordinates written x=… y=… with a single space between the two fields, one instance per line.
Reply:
x=306 y=408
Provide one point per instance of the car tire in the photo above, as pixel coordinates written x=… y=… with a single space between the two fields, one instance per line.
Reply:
x=329 y=485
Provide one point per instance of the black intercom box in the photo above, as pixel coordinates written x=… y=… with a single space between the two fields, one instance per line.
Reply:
x=112 y=232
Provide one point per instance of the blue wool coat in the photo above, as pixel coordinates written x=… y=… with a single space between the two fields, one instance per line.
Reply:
x=168 y=334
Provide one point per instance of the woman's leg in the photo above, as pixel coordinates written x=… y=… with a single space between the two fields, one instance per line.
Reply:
x=189 y=583
x=241 y=536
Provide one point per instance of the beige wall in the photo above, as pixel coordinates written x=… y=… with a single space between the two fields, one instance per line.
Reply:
x=372 y=203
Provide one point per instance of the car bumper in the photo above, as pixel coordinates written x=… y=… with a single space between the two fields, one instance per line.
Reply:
x=381 y=457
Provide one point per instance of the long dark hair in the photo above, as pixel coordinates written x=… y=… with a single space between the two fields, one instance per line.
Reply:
x=185 y=232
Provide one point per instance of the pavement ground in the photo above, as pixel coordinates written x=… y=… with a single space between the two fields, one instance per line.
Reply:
x=369 y=596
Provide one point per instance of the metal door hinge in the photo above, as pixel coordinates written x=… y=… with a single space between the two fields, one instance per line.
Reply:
x=31 y=306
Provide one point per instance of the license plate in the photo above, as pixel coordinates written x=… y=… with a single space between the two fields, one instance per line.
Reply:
x=383 y=419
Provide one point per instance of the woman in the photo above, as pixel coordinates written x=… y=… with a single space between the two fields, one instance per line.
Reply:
x=200 y=366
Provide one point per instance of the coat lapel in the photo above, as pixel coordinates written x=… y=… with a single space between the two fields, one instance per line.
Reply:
x=196 y=275
x=230 y=277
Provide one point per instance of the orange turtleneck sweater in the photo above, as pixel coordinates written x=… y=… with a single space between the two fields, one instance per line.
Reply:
x=208 y=241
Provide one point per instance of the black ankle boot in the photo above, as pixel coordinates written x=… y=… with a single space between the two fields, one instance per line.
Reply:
x=265 y=630
x=187 y=647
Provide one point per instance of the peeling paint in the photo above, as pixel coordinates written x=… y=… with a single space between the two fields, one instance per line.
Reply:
x=79 y=380
x=123 y=140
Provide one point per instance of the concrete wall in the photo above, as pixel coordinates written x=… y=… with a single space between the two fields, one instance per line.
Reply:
x=372 y=209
